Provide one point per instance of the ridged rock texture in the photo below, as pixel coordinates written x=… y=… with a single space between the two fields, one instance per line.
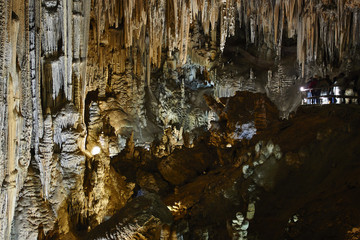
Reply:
x=76 y=75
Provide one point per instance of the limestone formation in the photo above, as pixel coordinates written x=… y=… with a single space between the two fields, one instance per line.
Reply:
x=106 y=104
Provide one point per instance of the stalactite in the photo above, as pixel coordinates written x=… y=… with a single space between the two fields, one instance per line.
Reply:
x=46 y=148
x=167 y=25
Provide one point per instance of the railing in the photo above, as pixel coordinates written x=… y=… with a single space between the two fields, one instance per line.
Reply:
x=316 y=96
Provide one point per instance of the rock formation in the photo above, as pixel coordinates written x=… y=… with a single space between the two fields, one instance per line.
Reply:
x=111 y=108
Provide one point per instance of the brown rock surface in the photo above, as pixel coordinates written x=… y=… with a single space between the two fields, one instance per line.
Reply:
x=185 y=164
x=142 y=218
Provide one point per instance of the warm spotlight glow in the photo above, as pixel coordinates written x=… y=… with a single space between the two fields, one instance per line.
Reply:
x=96 y=150
x=302 y=89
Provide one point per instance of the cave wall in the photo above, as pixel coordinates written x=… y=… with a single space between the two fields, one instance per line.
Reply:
x=42 y=78
x=16 y=102
x=54 y=52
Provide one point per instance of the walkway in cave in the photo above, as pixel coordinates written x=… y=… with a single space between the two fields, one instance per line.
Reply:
x=310 y=98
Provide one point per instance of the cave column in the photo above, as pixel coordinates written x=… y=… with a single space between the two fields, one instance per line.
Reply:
x=15 y=108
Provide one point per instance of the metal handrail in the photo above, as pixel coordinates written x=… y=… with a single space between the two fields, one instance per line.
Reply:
x=308 y=89
x=335 y=96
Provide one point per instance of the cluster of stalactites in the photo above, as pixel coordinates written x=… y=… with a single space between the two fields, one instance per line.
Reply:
x=325 y=29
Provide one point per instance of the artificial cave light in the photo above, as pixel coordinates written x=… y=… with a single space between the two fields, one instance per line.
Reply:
x=95 y=150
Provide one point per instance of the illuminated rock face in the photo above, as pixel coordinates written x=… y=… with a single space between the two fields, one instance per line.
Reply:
x=82 y=81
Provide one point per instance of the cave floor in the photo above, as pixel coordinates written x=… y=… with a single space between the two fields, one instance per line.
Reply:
x=314 y=191
x=302 y=174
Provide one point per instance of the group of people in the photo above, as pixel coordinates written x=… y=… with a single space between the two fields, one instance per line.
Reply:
x=339 y=90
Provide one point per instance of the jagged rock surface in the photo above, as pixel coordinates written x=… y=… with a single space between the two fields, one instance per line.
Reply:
x=78 y=75
x=143 y=218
